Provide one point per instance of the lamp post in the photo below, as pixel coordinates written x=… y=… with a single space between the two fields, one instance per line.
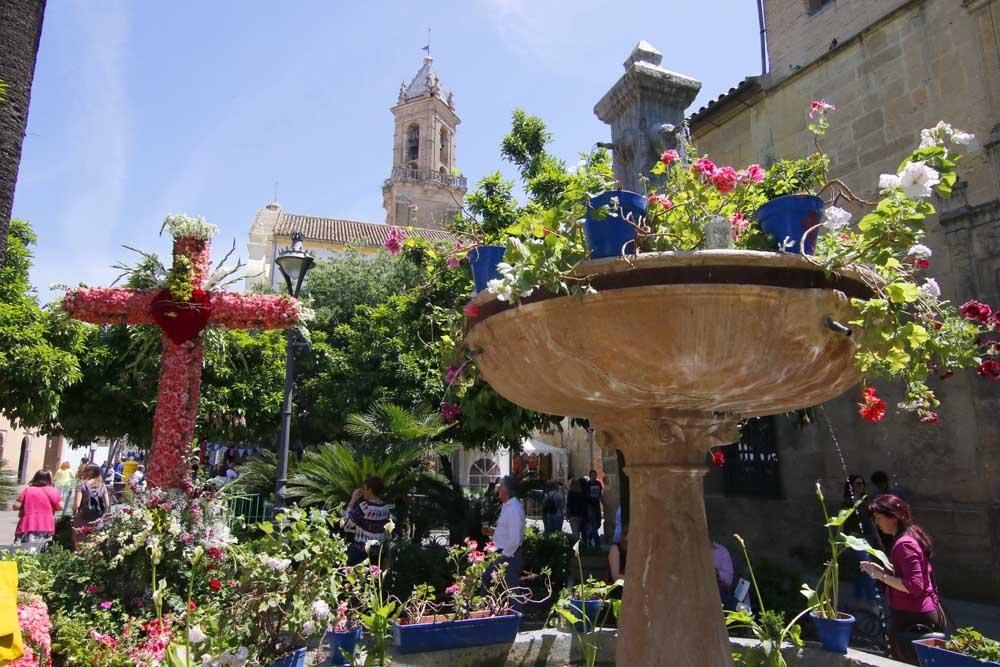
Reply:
x=293 y=263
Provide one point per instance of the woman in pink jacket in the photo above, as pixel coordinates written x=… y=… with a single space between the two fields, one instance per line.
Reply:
x=38 y=503
x=913 y=597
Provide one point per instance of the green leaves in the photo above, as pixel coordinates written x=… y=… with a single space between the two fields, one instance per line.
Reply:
x=902 y=292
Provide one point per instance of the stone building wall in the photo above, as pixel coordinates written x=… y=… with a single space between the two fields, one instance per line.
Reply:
x=898 y=66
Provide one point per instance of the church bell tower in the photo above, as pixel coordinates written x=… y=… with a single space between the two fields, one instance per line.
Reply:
x=425 y=189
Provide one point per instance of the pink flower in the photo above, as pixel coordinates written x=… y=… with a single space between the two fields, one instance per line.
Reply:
x=820 y=107
x=455 y=260
x=660 y=200
x=394 y=242
x=753 y=174
x=450 y=412
x=490 y=548
x=704 y=168
x=107 y=604
x=454 y=372
x=453 y=589
x=373 y=570
x=472 y=544
x=725 y=179
x=669 y=156
x=740 y=223
x=476 y=557
x=930 y=418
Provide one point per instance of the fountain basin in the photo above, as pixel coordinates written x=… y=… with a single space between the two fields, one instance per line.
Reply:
x=667 y=357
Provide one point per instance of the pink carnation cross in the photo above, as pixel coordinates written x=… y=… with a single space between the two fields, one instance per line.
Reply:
x=180 y=365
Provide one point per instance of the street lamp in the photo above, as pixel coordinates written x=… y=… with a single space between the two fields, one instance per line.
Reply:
x=293 y=263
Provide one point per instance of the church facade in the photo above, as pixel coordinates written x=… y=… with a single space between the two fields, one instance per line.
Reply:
x=423 y=191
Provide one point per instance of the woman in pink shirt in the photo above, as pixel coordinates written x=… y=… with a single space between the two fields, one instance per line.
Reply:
x=912 y=594
x=38 y=503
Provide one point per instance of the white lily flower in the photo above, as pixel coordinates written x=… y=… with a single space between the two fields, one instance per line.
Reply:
x=835 y=218
x=918 y=180
x=930 y=289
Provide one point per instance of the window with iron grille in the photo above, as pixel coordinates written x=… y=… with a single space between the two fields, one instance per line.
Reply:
x=752 y=467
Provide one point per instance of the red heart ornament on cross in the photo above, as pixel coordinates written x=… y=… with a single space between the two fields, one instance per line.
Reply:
x=181 y=320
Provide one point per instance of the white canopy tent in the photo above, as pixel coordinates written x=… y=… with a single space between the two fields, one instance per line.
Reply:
x=560 y=456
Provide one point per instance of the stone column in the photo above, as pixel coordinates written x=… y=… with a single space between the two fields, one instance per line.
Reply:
x=645 y=109
x=670 y=605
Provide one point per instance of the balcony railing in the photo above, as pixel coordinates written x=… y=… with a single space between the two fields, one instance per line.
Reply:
x=404 y=174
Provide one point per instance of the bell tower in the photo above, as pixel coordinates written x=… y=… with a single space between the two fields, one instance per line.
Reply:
x=425 y=189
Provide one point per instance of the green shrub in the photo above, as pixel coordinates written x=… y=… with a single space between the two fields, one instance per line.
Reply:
x=552 y=550
x=973 y=644
x=414 y=564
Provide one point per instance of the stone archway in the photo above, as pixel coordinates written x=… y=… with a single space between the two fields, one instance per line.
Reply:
x=22 y=461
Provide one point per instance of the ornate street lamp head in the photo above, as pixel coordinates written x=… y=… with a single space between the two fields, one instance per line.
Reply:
x=294 y=263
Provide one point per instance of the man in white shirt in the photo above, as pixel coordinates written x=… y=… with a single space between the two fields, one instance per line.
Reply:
x=509 y=533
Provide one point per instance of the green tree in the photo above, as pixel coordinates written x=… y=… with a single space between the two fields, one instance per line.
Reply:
x=37 y=348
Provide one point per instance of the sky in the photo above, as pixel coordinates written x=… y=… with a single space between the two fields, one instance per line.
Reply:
x=144 y=109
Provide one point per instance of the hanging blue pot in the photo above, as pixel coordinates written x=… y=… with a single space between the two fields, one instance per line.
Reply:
x=342 y=645
x=789 y=217
x=587 y=612
x=609 y=236
x=296 y=658
x=484 y=260
x=834 y=633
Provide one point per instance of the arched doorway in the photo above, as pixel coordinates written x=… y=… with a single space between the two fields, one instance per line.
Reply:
x=22 y=461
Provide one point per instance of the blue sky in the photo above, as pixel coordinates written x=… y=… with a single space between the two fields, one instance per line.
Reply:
x=141 y=109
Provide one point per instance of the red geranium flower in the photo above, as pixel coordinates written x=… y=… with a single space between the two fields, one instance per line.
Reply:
x=990 y=369
x=976 y=311
x=214 y=584
x=873 y=409
x=471 y=311
x=719 y=459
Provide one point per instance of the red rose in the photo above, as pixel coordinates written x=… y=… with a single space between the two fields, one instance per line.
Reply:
x=214 y=584
x=989 y=369
x=719 y=459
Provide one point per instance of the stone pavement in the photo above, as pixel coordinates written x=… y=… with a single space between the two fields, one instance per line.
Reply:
x=8 y=522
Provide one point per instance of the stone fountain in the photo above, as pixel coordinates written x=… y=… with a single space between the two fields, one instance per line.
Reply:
x=666 y=359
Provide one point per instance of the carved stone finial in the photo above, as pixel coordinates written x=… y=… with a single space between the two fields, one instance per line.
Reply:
x=451 y=100
x=402 y=92
x=643 y=52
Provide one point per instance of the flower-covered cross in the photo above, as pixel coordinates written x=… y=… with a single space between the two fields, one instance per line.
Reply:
x=182 y=307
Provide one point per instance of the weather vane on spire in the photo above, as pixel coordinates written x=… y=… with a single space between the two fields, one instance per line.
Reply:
x=428 y=47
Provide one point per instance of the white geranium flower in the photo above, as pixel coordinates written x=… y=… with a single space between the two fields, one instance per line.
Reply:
x=919 y=251
x=195 y=635
x=321 y=609
x=930 y=289
x=835 y=218
x=888 y=182
x=918 y=180
x=279 y=564
x=927 y=138
x=308 y=628
x=963 y=138
x=501 y=288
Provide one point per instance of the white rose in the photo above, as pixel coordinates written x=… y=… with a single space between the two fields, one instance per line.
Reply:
x=195 y=635
x=321 y=609
x=835 y=218
x=888 y=182
x=918 y=180
x=930 y=289
x=920 y=251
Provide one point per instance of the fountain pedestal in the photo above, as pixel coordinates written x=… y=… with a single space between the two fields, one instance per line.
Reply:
x=667 y=357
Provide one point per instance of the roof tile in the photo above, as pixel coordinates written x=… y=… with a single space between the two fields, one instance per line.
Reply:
x=333 y=230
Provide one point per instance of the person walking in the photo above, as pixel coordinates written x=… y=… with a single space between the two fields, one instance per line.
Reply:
x=913 y=596
x=617 y=556
x=65 y=483
x=594 y=491
x=90 y=502
x=37 y=504
x=576 y=508
x=365 y=519
x=508 y=537
x=553 y=508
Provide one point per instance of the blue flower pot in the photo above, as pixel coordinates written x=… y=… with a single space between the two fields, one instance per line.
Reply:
x=296 y=658
x=790 y=216
x=834 y=633
x=446 y=634
x=484 y=260
x=932 y=653
x=342 y=645
x=591 y=608
x=608 y=237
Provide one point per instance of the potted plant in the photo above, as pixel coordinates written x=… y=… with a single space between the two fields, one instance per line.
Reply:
x=767 y=627
x=482 y=607
x=832 y=625
x=581 y=606
x=966 y=648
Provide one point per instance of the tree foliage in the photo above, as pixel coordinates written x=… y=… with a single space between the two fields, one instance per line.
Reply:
x=37 y=348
